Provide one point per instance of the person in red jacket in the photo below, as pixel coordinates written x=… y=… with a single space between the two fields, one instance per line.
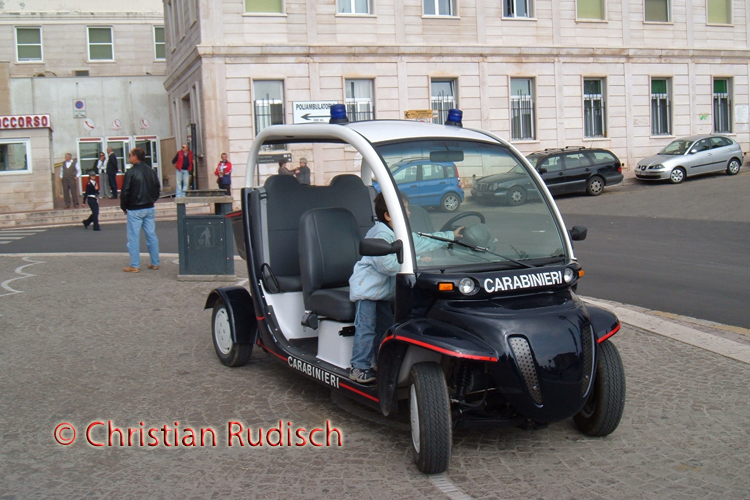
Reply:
x=183 y=164
x=223 y=174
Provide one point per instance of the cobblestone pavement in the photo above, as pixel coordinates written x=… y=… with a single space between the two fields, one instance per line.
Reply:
x=83 y=342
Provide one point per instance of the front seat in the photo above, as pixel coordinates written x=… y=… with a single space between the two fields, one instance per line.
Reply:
x=328 y=249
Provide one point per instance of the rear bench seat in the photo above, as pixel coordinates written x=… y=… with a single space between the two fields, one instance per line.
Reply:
x=275 y=212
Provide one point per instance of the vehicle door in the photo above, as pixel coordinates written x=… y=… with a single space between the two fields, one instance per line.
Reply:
x=721 y=151
x=577 y=172
x=433 y=184
x=699 y=158
x=407 y=180
x=552 y=173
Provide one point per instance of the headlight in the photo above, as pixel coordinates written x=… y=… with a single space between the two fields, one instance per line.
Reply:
x=656 y=167
x=493 y=186
x=467 y=286
x=569 y=275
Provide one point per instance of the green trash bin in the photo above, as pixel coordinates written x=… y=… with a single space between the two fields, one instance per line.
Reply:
x=205 y=241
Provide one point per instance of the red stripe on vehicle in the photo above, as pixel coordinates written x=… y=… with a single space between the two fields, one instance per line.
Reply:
x=617 y=329
x=232 y=214
x=260 y=318
x=446 y=351
x=271 y=352
x=360 y=392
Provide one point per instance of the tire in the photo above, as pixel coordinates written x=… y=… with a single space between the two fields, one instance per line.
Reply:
x=229 y=353
x=733 y=167
x=516 y=196
x=595 y=186
x=677 y=175
x=450 y=202
x=430 y=418
x=602 y=412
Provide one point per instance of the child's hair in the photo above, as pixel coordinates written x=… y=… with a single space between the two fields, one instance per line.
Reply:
x=381 y=208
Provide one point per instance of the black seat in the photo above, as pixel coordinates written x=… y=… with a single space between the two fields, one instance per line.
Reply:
x=328 y=249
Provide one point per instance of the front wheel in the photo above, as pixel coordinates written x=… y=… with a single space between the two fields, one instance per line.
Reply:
x=229 y=352
x=677 y=175
x=516 y=196
x=602 y=412
x=430 y=418
x=450 y=202
x=733 y=167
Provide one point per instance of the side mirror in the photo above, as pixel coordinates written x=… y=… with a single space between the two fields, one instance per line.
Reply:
x=542 y=170
x=578 y=233
x=377 y=247
x=693 y=151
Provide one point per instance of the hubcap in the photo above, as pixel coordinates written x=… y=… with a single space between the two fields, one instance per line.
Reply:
x=677 y=175
x=734 y=166
x=516 y=196
x=596 y=186
x=222 y=331
x=414 y=417
x=451 y=203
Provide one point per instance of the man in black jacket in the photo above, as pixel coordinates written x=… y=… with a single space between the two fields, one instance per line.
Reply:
x=112 y=172
x=140 y=190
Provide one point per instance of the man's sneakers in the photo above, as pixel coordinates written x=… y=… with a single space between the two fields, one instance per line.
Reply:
x=132 y=270
x=362 y=376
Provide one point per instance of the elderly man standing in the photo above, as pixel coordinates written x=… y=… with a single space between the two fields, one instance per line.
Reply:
x=112 y=169
x=183 y=164
x=140 y=190
x=70 y=173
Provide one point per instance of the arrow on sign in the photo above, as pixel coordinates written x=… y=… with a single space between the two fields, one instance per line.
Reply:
x=308 y=116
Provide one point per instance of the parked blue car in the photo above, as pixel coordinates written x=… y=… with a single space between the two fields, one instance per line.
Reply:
x=428 y=183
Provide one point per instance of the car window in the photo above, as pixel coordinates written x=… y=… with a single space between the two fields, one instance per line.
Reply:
x=431 y=172
x=408 y=174
x=678 y=147
x=603 y=157
x=702 y=145
x=575 y=160
x=552 y=164
x=719 y=142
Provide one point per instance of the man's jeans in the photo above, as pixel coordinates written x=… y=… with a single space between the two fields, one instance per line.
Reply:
x=145 y=218
x=372 y=320
x=182 y=178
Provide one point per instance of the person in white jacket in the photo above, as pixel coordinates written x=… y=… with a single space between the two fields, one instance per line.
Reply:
x=372 y=286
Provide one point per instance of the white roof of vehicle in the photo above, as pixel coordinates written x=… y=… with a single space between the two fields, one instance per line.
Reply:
x=391 y=130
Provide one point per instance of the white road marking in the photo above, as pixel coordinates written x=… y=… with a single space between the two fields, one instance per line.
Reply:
x=18 y=270
x=3 y=237
x=441 y=482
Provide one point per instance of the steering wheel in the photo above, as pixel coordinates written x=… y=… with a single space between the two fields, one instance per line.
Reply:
x=451 y=224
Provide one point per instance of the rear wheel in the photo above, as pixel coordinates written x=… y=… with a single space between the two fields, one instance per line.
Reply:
x=595 y=186
x=450 y=202
x=516 y=196
x=430 y=418
x=602 y=412
x=733 y=167
x=229 y=352
x=677 y=175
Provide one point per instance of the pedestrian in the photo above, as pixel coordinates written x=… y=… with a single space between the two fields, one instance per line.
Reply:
x=283 y=170
x=183 y=164
x=372 y=286
x=70 y=172
x=112 y=169
x=91 y=196
x=302 y=173
x=223 y=174
x=140 y=190
x=101 y=169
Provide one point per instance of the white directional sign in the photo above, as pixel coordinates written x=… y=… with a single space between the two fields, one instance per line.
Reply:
x=312 y=111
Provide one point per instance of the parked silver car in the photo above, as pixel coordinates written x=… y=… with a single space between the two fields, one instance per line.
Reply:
x=688 y=156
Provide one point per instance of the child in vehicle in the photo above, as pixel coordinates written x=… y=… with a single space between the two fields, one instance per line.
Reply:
x=372 y=286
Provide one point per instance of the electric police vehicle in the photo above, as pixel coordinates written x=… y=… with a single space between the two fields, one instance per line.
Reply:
x=487 y=330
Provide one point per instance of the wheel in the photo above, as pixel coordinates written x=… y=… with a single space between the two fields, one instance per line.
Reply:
x=603 y=410
x=451 y=224
x=230 y=353
x=733 y=167
x=595 y=186
x=677 y=175
x=450 y=202
x=516 y=196
x=430 y=417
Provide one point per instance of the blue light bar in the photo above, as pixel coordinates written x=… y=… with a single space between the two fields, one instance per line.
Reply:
x=338 y=114
x=454 y=118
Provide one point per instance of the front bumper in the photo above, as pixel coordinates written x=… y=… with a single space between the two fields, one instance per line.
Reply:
x=652 y=175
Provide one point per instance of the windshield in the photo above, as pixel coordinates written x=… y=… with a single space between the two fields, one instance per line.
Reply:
x=678 y=147
x=484 y=188
x=533 y=159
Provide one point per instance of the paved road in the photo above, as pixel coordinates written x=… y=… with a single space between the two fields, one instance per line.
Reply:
x=83 y=342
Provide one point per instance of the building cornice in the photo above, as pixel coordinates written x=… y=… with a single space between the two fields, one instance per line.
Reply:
x=80 y=17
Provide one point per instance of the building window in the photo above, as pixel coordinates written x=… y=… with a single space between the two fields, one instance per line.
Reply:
x=719 y=11
x=590 y=9
x=160 y=49
x=722 y=106
x=517 y=8
x=657 y=11
x=438 y=7
x=660 y=107
x=443 y=98
x=268 y=106
x=264 y=6
x=15 y=156
x=593 y=108
x=101 y=47
x=522 y=109
x=354 y=6
x=28 y=44
x=359 y=100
